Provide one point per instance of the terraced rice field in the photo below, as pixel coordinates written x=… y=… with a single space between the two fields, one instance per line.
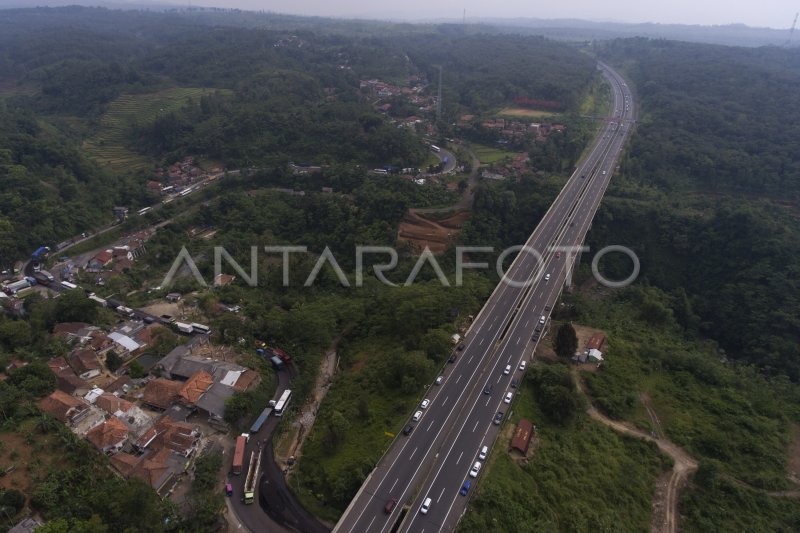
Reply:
x=108 y=146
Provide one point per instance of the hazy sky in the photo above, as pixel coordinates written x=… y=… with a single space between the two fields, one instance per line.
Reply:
x=769 y=13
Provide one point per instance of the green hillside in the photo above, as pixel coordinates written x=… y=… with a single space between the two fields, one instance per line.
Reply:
x=110 y=145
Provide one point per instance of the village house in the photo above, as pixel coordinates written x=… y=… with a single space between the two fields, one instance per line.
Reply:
x=160 y=393
x=66 y=380
x=85 y=364
x=99 y=261
x=80 y=332
x=181 y=438
x=68 y=409
x=108 y=437
x=152 y=468
x=220 y=280
x=195 y=387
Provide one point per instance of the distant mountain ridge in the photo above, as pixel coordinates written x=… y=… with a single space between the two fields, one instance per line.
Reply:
x=560 y=29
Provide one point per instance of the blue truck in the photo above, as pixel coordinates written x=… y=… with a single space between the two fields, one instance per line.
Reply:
x=260 y=420
x=40 y=253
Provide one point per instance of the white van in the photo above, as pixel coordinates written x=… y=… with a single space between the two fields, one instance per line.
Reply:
x=425 y=506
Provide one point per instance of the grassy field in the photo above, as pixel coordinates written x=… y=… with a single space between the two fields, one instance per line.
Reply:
x=521 y=112
x=109 y=145
x=488 y=154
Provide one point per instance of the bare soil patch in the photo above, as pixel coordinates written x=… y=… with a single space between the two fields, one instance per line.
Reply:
x=420 y=231
x=524 y=112
x=164 y=308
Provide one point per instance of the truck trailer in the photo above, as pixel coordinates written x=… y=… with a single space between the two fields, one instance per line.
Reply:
x=260 y=420
x=44 y=277
x=238 y=455
x=252 y=476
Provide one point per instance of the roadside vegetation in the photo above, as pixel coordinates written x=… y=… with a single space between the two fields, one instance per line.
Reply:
x=580 y=475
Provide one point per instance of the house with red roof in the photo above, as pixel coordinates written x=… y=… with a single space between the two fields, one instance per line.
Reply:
x=108 y=437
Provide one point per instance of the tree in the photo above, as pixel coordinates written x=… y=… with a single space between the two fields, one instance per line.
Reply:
x=337 y=426
x=36 y=379
x=436 y=344
x=113 y=361
x=566 y=341
x=15 y=333
x=11 y=502
x=74 y=306
x=136 y=370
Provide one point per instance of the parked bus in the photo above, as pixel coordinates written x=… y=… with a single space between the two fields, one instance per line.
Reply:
x=68 y=285
x=200 y=328
x=144 y=210
x=98 y=300
x=283 y=403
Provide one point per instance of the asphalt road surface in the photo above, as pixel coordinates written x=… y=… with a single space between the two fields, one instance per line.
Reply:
x=277 y=511
x=435 y=459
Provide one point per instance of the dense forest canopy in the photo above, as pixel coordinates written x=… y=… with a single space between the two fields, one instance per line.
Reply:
x=276 y=89
x=726 y=119
x=707 y=193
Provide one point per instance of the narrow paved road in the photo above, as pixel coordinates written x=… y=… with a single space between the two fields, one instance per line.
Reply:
x=278 y=510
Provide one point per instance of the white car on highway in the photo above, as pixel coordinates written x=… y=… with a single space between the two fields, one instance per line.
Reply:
x=542 y=319
x=425 y=403
x=547 y=277
x=508 y=397
x=522 y=365
x=507 y=370
x=417 y=416
x=475 y=469
x=426 y=505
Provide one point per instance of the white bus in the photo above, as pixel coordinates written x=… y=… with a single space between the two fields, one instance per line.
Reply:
x=68 y=285
x=98 y=299
x=144 y=210
x=435 y=148
x=200 y=328
x=283 y=403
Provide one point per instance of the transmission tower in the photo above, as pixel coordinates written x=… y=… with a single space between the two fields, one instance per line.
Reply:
x=439 y=97
x=791 y=31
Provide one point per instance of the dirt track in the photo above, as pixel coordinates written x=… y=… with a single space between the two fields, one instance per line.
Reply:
x=665 y=505
x=420 y=230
